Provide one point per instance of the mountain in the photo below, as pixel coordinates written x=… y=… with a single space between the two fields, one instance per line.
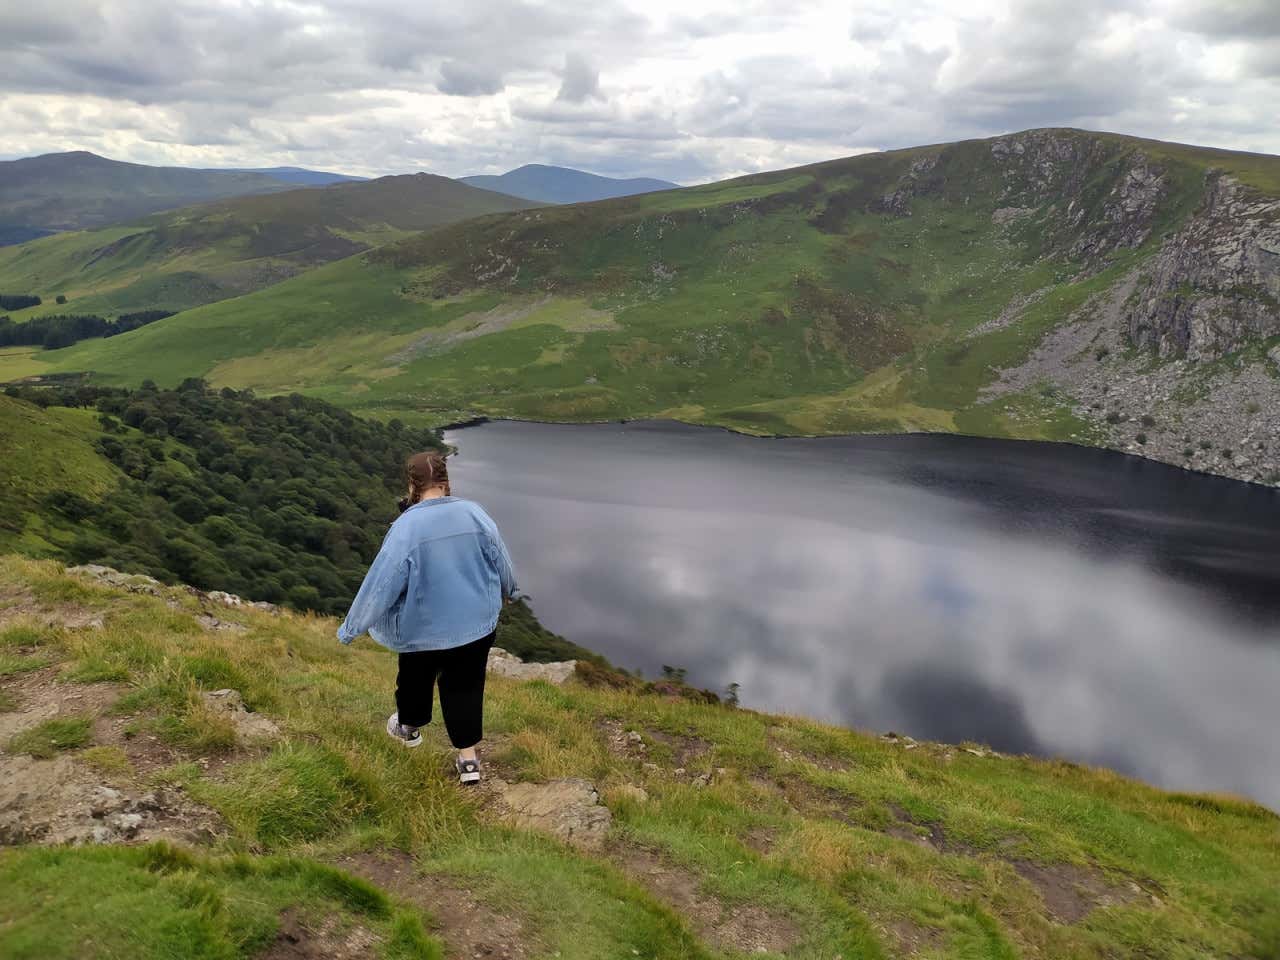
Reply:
x=78 y=190
x=1052 y=284
x=243 y=752
x=297 y=176
x=534 y=181
x=194 y=255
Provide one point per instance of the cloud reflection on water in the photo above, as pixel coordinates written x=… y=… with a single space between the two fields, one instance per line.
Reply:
x=833 y=585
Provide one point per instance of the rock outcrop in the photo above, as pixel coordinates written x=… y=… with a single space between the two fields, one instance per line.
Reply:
x=1215 y=284
x=568 y=809
x=1084 y=216
x=249 y=726
x=508 y=665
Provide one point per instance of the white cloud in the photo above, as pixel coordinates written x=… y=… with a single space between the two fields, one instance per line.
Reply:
x=684 y=90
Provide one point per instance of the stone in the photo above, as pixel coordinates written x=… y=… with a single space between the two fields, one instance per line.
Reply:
x=568 y=809
x=505 y=664
x=213 y=624
x=129 y=824
x=249 y=726
x=133 y=582
x=634 y=792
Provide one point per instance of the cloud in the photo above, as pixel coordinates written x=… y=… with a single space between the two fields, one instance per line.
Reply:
x=581 y=80
x=689 y=92
x=1231 y=18
x=469 y=80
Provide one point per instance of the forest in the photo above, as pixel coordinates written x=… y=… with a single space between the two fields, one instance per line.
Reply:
x=18 y=301
x=284 y=499
x=62 y=330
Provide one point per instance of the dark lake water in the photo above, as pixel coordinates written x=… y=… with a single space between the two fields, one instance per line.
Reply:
x=1040 y=598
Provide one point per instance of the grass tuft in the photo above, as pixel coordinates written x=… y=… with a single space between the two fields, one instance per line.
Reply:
x=49 y=738
x=297 y=793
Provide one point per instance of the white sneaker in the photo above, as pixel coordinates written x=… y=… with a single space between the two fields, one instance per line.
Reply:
x=409 y=736
x=468 y=770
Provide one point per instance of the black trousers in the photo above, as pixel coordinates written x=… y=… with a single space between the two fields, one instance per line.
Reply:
x=460 y=672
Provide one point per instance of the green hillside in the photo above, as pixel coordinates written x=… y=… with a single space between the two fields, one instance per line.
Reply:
x=195 y=255
x=878 y=293
x=246 y=802
x=79 y=190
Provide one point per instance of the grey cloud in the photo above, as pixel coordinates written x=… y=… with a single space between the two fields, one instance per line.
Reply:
x=581 y=80
x=1245 y=19
x=468 y=80
x=322 y=83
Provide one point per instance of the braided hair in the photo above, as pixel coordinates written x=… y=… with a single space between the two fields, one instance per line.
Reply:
x=426 y=470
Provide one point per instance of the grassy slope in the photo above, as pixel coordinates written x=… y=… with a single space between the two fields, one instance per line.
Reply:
x=804 y=820
x=43 y=451
x=77 y=190
x=183 y=258
x=772 y=303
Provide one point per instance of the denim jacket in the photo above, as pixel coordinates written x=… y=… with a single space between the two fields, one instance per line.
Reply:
x=437 y=582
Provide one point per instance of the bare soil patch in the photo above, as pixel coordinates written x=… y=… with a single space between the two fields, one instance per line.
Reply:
x=301 y=940
x=469 y=926
x=927 y=833
x=748 y=928
x=21 y=604
x=791 y=752
x=911 y=938
x=678 y=754
x=811 y=799
x=64 y=800
x=61 y=800
x=1071 y=892
x=760 y=839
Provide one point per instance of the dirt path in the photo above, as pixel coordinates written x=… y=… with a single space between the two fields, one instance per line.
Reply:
x=468 y=926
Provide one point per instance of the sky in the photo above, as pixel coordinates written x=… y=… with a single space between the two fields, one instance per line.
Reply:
x=687 y=91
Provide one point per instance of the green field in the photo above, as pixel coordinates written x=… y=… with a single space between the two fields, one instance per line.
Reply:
x=733 y=832
x=854 y=295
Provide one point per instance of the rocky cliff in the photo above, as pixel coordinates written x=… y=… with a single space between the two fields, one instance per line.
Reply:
x=1214 y=286
x=1178 y=358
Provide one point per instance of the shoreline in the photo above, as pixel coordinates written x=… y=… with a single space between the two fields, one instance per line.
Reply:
x=481 y=420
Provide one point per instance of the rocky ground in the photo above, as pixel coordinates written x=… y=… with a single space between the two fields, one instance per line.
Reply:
x=1220 y=417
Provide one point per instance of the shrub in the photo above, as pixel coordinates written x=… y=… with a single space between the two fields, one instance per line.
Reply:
x=1141 y=438
x=1148 y=420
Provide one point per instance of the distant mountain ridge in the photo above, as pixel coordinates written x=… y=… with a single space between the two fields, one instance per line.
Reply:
x=79 y=190
x=298 y=176
x=548 y=184
x=201 y=254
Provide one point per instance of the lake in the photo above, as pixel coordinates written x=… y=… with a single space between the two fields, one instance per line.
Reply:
x=1039 y=598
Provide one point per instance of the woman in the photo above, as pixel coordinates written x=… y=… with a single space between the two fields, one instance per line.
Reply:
x=433 y=595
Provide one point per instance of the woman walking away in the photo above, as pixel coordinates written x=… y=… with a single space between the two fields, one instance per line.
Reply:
x=433 y=595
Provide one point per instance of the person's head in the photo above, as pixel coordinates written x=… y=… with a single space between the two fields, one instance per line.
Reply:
x=428 y=476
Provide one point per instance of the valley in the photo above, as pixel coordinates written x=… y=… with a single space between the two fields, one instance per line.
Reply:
x=1052 y=284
